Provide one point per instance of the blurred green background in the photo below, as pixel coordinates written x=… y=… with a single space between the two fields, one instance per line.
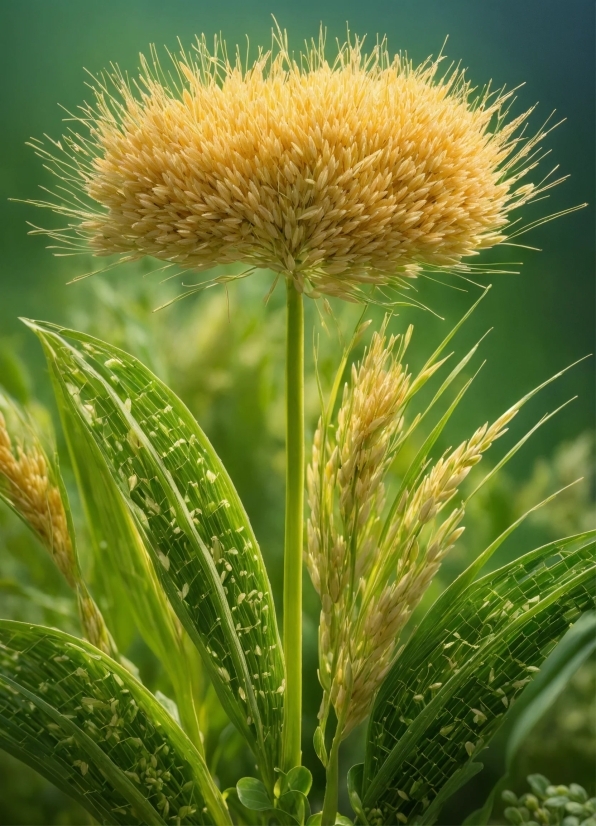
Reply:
x=225 y=359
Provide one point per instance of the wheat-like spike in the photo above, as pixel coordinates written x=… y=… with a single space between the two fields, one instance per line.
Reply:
x=371 y=579
x=27 y=486
x=28 y=489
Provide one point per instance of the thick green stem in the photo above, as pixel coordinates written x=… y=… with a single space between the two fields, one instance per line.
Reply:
x=332 y=782
x=292 y=608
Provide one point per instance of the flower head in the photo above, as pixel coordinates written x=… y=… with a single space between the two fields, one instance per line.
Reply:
x=338 y=175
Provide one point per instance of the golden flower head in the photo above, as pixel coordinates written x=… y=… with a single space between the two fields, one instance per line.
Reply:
x=338 y=175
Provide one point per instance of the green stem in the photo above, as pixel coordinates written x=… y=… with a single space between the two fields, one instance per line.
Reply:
x=332 y=782
x=292 y=607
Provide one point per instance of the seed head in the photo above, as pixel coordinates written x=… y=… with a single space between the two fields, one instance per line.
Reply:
x=28 y=485
x=370 y=567
x=339 y=175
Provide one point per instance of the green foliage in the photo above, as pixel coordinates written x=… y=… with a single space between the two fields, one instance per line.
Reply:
x=192 y=521
x=550 y=805
x=461 y=670
x=558 y=669
x=124 y=568
x=289 y=802
x=135 y=478
x=84 y=722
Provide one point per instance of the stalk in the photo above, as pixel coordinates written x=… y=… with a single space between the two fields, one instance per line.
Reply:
x=292 y=607
x=332 y=781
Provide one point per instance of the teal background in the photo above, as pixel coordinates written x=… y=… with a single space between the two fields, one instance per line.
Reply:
x=543 y=318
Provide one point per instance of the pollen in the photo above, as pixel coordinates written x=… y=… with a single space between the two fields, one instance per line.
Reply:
x=338 y=174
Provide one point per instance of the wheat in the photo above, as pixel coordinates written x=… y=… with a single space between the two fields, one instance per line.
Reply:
x=336 y=174
x=28 y=489
x=371 y=577
x=26 y=485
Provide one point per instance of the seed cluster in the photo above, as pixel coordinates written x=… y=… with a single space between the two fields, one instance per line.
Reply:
x=28 y=488
x=372 y=572
x=26 y=484
x=338 y=175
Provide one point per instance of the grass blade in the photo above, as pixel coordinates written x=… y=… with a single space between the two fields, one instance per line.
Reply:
x=125 y=568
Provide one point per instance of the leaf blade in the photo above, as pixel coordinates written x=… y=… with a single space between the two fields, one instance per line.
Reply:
x=97 y=732
x=191 y=520
x=408 y=730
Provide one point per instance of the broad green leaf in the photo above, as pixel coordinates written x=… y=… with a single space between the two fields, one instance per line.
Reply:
x=85 y=723
x=253 y=794
x=193 y=524
x=449 y=689
x=125 y=569
x=299 y=779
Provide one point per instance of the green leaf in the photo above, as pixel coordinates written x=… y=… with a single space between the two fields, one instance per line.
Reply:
x=340 y=820
x=124 y=567
x=449 y=689
x=290 y=792
x=253 y=794
x=83 y=721
x=575 y=647
x=355 y=776
x=193 y=524
x=292 y=807
x=299 y=779
x=319 y=745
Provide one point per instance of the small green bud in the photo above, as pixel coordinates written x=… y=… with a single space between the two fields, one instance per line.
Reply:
x=556 y=802
x=575 y=808
x=578 y=793
x=509 y=797
x=513 y=815
x=530 y=801
x=539 y=784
